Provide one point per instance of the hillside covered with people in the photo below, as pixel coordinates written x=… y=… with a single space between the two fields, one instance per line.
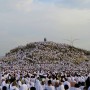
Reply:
x=48 y=56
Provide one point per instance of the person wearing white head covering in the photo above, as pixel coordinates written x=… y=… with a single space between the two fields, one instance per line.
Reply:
x=3 y=82
x=24 y=86
x=61 y=87
x=67 y=83
x=38 y=85
x=14 y=86
x=82 y=79
x=31 y=84
x=73 y=79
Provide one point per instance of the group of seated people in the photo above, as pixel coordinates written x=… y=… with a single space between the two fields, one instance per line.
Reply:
x=44 y=81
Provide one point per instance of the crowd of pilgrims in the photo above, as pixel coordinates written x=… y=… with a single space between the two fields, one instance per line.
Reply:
x=19 y=69
x=47 y=55
x=24 y=80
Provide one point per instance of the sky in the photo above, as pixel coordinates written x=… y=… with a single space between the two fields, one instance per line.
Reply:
x=61 y=21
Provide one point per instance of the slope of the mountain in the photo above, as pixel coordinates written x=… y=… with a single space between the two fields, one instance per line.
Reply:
x=50 y=53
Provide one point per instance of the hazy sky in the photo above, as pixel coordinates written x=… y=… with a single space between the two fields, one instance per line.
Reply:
x=24 y=21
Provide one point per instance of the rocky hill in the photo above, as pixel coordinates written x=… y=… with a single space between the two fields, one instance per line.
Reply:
x=50 y=55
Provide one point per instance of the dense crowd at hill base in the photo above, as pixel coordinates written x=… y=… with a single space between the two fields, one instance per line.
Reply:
x=40 y=80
